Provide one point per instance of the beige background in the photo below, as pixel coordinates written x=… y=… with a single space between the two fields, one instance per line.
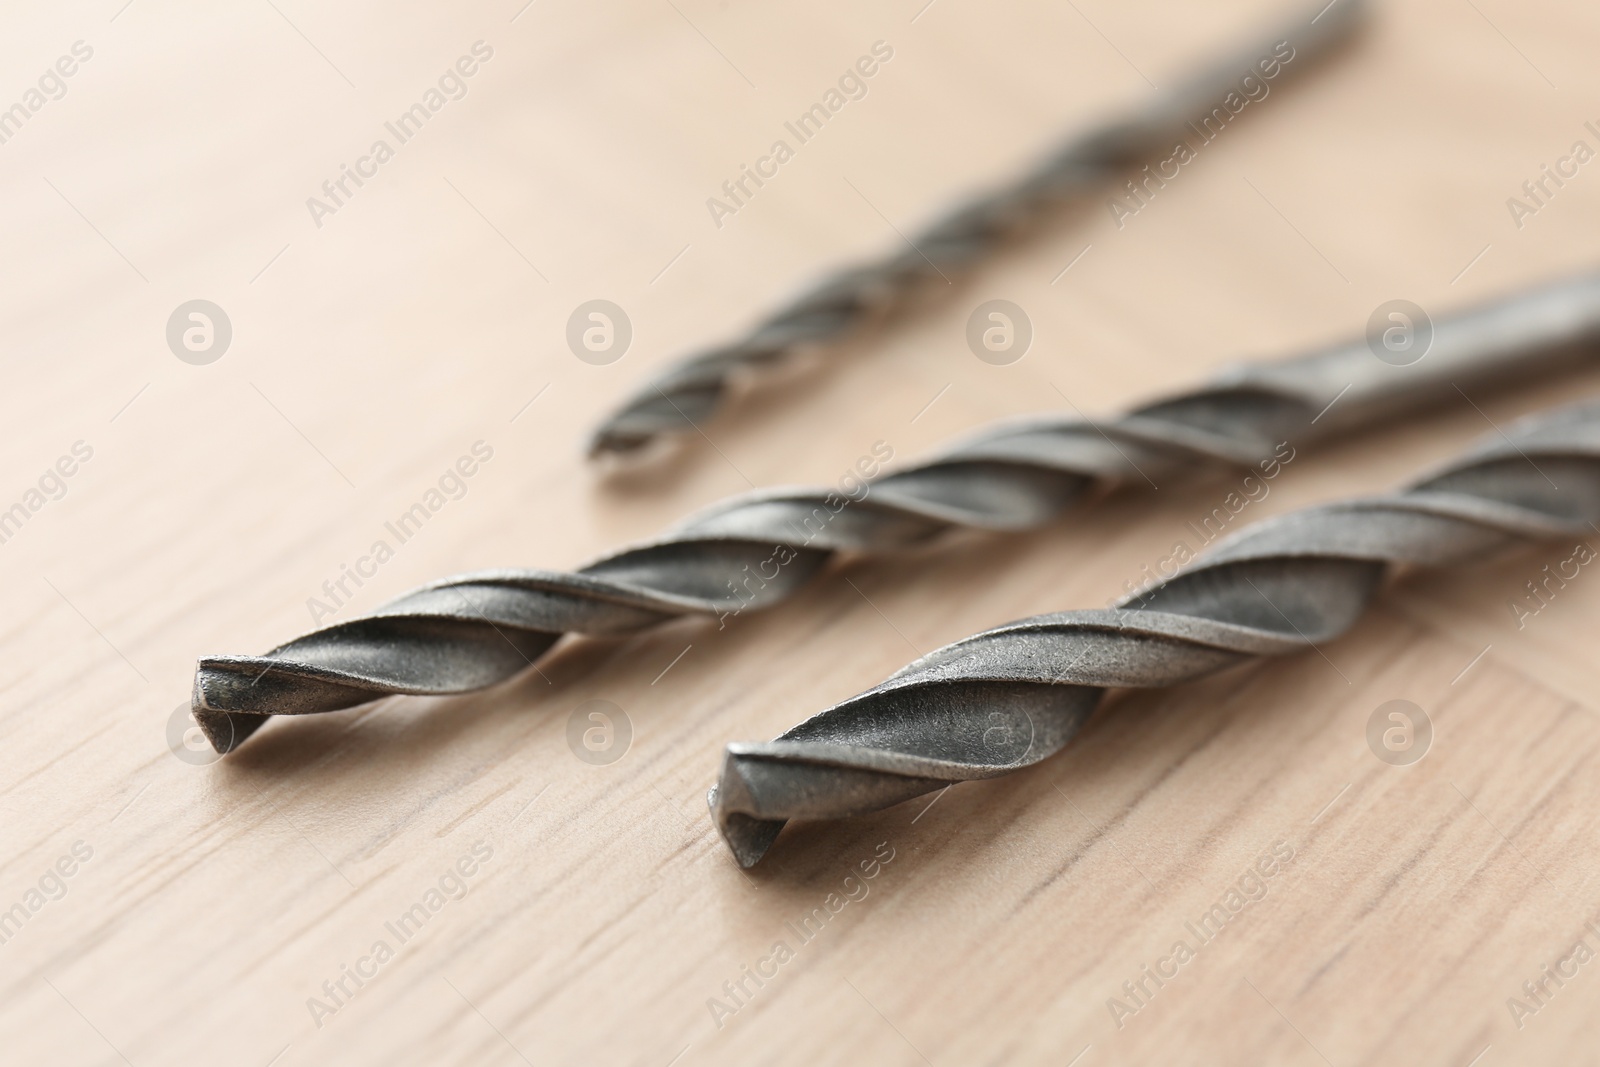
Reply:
x=370 y=352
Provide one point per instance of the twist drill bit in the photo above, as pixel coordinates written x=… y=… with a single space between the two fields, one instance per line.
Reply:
x=686 y=393
x=471 y=631
x=1009 y=697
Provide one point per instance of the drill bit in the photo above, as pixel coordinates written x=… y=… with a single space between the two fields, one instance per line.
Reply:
x=680 y=398
x=1011 y=696
x=475 y=630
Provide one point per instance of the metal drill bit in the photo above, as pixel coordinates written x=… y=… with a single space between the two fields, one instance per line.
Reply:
x=474 y=630
x=677 y=400
x=1009 y=697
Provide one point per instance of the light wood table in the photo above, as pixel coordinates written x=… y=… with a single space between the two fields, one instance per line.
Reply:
x=373 y=345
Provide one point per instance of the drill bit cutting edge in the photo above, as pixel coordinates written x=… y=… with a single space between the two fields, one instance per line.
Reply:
x=674 y=401
x=1009 y=697
x=475 y=630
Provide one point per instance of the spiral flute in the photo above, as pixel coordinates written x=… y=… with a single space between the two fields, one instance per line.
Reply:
x=1009 y=697
x=754 y=550
x=683 y=396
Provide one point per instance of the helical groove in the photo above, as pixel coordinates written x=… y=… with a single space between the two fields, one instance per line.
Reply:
x=752 y=551
x=1014 y=695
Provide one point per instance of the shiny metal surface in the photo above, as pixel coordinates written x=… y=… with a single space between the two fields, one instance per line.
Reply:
x=1011 y=696
x=474 y=630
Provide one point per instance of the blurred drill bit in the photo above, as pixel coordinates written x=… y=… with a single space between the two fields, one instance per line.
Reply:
x=685 y=394
x=474 y=630
x=1006 y=698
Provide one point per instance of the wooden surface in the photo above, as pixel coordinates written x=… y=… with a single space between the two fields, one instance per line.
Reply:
x=371 y=351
